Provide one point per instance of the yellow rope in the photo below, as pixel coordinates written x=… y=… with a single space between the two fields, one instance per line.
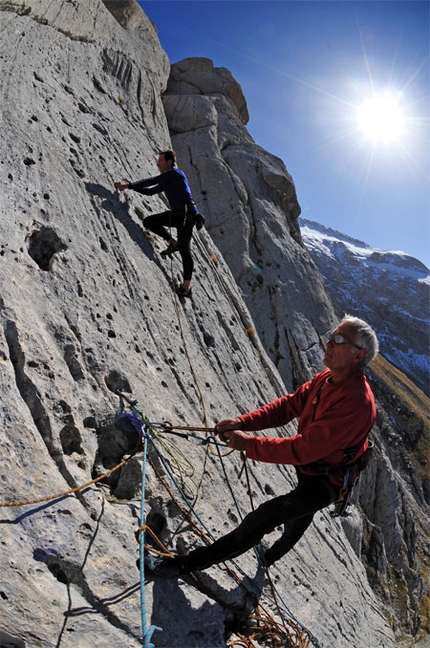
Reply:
x=189 y=428
x=169 y=427
x=70 y=491
x=193 y=373
x=165 y=553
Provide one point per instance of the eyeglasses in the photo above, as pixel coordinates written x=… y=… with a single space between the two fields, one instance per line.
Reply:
x=337 y=338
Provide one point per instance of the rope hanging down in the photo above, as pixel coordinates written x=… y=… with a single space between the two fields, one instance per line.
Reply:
x=147 y=633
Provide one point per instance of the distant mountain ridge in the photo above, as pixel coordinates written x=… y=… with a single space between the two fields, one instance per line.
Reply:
x=388 y=288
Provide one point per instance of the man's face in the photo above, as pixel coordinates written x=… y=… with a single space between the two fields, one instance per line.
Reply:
x=162 y=164
x=346 y=355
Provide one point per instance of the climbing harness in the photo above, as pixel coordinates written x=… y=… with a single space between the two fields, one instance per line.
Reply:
x=340 y=506
x=351 y=467
x=352 y=476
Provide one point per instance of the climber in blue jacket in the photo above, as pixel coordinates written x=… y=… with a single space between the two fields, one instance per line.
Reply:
x=182 y=215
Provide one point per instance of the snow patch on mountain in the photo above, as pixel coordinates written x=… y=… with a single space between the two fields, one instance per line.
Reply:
x=390 y=289
x=339 y=246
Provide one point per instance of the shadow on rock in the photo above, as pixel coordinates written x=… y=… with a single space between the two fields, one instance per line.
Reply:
x=226 y=611
x=109 y=202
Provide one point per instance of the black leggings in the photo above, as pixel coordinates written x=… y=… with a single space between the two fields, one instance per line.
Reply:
x=184 y=226
x=295 y=511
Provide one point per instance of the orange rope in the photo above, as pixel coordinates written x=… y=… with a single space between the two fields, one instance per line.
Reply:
x=67 y=492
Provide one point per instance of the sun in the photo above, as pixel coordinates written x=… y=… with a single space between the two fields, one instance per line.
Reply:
x=380 y=118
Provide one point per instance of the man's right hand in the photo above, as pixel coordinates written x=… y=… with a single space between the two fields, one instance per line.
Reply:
x=227 y=424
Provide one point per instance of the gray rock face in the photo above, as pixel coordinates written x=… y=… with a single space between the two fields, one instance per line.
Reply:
x=86 y=309
x=198 y=76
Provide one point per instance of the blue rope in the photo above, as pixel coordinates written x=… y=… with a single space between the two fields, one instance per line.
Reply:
x=147 y=633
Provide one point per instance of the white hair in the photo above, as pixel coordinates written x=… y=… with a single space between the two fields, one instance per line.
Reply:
x=365 y=337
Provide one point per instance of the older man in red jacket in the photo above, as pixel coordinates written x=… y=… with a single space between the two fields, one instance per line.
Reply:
x=336 y=410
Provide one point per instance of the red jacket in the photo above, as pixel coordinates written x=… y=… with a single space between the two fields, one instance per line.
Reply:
x=331 y=417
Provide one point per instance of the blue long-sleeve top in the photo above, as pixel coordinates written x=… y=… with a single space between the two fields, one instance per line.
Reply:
x=173 y=182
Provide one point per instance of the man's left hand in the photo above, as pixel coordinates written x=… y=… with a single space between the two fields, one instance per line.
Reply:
x=235 y=439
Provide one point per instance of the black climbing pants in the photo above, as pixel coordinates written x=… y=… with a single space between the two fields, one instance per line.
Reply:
x=177 y=218
x=295 y=511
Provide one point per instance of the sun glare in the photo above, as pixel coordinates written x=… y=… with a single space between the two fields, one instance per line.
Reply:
x=380 y=119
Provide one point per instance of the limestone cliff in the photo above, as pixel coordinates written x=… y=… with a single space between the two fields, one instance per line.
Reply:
x=86 y=309
x=250 y=202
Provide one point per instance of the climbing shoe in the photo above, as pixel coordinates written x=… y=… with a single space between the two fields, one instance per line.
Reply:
x=166 y=567
x=200 y=221
x=170 y=249
x=183 y=292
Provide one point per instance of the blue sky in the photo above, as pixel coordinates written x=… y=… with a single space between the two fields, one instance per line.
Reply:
x=308 y=71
